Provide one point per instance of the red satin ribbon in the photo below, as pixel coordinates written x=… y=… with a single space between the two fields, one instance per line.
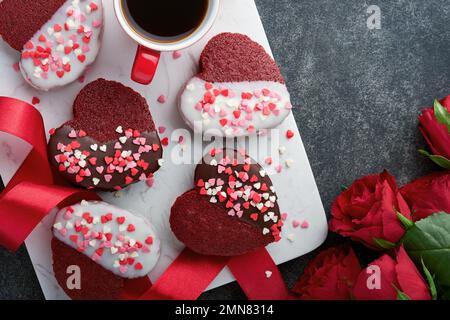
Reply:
x=250 y=272
x=32 y=193
x=187 y=277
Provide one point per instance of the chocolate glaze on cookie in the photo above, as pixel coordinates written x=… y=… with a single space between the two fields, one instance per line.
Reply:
x=114 y=164
x=111 y=142
x=232 y=210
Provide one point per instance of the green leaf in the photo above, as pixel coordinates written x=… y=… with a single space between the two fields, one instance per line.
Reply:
x=408 y=224
x=441 y=114
x=400 y=294
x=430 y=281
x=429 y=240
x=384 y=244
x=439 y=160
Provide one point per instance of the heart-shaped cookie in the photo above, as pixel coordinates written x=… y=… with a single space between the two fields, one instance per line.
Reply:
x=106 y=243
x=232 y=210
x=111 y=142
x=58 y=39
x=238 y=91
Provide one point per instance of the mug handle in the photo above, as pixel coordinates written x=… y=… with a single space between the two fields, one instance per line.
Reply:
x=145 y=64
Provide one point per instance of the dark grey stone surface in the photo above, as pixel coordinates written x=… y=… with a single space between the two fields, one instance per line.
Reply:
x=357 y=94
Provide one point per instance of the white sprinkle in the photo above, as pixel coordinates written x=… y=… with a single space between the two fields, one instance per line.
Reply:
x=282 y=150
x=289 y=163
x=95 y=181
x=160 y=162
x=103 y=148
x=291 y=237
x=123 y=139
x=57 y=226
x=268 y=274
x=84 y=203
x=190 y=87
x=114 y=250
x=265 y=231
x=94 y=147
x=119 y=129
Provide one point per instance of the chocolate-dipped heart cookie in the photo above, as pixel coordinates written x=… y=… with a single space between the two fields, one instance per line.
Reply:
x=58 y=39
x=107 y=245
x=238 y=91
x=232 y=210
x=111 y=141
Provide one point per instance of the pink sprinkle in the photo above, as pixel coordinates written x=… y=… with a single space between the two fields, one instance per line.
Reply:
x=180 y=140
x=150 y=181
x=35 y=101
x=296 y=223
x=305 y=225
x=16 y=67
x=176 y=54
x=269 y=160
x=81 y=79
x=162 y=129
x=279 y=168
x=162 y=99
x=284 y=216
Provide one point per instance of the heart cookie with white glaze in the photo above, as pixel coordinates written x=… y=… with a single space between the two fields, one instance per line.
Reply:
x=111 y=142
x=232 y=210
x=109 y=245
x=238 y=91
x=57 y=39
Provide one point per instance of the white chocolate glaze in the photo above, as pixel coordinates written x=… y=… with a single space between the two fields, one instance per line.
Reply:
x=118 y=240
x=236 y=108
x=61 y=50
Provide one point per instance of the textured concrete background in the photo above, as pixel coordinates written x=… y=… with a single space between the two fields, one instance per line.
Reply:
x=357 y=91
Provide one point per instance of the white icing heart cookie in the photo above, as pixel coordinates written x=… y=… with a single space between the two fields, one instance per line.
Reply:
x=239 y=90
x=57 y=39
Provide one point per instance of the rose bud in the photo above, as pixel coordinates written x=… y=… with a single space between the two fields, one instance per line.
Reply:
x=428 y=195
x=367 y=211
x=391 y=279
x=435 y=127
x=329 y=276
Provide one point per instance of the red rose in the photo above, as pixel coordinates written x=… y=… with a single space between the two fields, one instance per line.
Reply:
x=436 y=134
x=329 y=276
x=428 y=195
x=367 y=210
x=387 y=277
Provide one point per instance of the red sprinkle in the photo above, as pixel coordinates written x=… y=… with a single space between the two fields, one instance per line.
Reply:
x=289 y=134
x=35 y=101
x=162 y=99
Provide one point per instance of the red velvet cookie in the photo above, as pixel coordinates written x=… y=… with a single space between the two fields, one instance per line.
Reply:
x=58 y=39
x=238 y=91
x=232 y=210
x=98 y=249
x=111 y=141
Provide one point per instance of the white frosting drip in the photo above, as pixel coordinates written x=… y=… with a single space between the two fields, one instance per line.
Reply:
x=113 y=250
x=231 y=115
x=73 y=14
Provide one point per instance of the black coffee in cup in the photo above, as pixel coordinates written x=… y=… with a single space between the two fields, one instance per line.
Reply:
x=165 y=20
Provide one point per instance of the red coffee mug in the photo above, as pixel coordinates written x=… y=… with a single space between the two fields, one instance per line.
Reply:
x=149 y=51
